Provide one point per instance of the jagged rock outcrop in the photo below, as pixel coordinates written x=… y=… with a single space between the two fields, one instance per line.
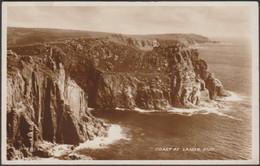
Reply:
x=128 y=91
x=44 y=103
x=183 y=81
x=114 y=75
x=51 y=85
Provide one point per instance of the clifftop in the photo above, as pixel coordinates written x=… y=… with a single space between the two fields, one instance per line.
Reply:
x=97 y=63
x=21 y=36
x=55 y=76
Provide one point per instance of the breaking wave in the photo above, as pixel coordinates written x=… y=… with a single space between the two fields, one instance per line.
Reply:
x=219 y=107
x=225 y=43
x=58 y=150
x=202 y=111
x=233 y=97
x=115 y=133
x=198 y=46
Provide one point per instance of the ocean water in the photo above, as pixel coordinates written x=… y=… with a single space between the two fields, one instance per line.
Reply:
x=203 y=134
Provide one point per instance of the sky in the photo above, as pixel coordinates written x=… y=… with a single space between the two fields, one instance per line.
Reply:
x=209 y=21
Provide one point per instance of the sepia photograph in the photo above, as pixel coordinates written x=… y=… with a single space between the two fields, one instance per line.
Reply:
x=130 y=83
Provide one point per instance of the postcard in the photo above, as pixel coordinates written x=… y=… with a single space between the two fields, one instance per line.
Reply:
x=130 y=83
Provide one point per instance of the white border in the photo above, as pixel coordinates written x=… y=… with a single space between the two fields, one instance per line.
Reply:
x=215 y=3
x=255 y=83
x=4 y=81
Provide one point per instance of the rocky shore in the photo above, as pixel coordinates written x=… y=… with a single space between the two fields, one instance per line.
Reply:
x=51 y=85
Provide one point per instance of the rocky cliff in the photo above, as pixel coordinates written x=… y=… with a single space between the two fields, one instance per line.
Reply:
x=44 y=103
x=52 y=84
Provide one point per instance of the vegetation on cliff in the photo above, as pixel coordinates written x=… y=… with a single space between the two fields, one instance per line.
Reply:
x=55 y=75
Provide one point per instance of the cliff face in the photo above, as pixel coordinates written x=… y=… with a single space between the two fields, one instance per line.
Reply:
x=44 y=103
x=51 y=85
x=171 y=77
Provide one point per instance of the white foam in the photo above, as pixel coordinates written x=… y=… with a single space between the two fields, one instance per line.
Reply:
x=212 y=107
x=60 y=150
x=144 y=111
x=198 y=46
x=205 y=108
x=193 y=111
x=114 y=134
x=225 y=43
x=136 y=109
x=233 y=97
x=202 y=110
x=57 y=150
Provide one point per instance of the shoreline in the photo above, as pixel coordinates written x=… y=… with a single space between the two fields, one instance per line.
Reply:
x=115 y=132
x=71 y=152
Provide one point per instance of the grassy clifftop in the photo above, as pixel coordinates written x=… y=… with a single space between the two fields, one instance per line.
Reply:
x=21 y=36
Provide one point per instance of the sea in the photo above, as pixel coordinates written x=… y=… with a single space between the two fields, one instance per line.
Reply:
x=199 y=134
